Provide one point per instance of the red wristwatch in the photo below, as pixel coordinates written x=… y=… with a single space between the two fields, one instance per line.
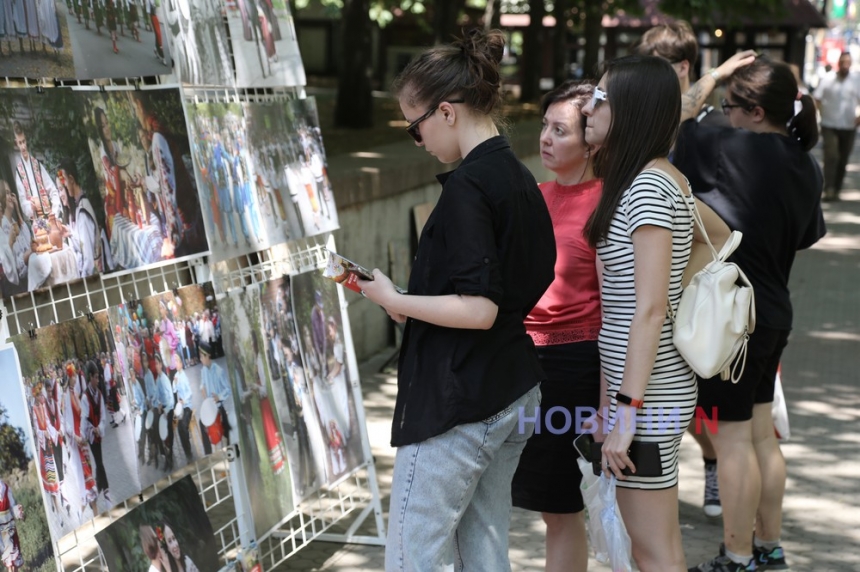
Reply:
x=627 y=400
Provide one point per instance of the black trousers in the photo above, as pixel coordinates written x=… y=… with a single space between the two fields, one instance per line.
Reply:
x=101 y=476
x=838 y=144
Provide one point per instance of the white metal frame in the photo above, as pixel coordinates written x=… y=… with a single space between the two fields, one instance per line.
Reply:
x=349 y=502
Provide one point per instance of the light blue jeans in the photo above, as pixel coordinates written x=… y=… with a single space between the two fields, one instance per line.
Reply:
x=451 y=495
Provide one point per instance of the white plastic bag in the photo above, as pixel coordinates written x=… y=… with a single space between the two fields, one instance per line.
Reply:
x=606 y=530
x=779 y=409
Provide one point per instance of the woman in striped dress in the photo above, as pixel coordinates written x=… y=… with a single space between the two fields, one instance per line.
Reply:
x=643 y=232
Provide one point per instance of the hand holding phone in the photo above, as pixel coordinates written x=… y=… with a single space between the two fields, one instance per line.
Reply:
x=645 y=456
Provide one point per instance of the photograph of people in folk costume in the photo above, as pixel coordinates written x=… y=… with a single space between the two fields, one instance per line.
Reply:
x=168 y=533
x=198 y=41
x=139 y=146
x=269 y=148
x=241 y=212
x=181 y=407
x=25 y=541
x=51 y=217
x=34 y=39
x=306 y=445
x=319 y=320
x=264 y=456
x=307 y=170
x=81 y=419
x=265 y=47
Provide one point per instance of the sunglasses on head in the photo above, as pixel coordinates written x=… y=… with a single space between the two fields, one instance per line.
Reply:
x=598 y=97
x=412 y=128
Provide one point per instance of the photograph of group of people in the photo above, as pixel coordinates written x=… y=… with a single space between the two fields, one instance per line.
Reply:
x=262 y=174
x=79 y=412
x=139 y=146
x=25 y=541
x=263 y=453
x=198 y=41
x=181 y=404
x=265 y=47
x=81 y=39
x=170 y=532
x=51 y=218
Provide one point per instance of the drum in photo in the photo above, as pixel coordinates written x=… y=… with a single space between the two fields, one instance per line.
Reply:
x=211 y=418
x=150 y=419
x=138 y=426
x=177 y=412
x=162 y=428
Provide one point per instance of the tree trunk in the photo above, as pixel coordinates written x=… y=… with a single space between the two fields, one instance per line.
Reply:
x=354 y=106
x=493 y=15
x=445 y=15
x=531 y=64
x=559 y=42
x=593 y=29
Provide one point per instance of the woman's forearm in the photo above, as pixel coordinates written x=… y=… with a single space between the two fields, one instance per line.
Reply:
x=451 y=311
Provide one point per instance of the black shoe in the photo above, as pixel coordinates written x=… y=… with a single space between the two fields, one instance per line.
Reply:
x=723 y=563
x=773 y=560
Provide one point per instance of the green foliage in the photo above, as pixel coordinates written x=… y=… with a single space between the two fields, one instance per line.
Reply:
x=77 y=338
x=13 y=446
x=705 y=11
x=33 y=533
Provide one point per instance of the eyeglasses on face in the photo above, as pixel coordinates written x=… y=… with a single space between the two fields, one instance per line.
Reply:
x=727 y=107
x=598 y=97
x=412 y=128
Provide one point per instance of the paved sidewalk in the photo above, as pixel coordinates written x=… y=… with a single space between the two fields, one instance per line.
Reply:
x=820 y=376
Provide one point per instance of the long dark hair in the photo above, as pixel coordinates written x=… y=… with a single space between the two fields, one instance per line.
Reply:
x=646 y=106
x=772 y=86
x=466 y=68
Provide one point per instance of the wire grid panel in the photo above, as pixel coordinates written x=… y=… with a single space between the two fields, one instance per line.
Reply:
x=56 y=304
x=326 y=510
x=79 y=551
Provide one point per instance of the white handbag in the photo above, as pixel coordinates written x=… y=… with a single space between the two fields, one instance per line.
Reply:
x=716 y=313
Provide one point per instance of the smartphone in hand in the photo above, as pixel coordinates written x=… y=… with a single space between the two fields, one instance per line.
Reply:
x=644 y=455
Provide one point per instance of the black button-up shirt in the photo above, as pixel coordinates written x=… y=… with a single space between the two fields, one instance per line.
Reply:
x=489 y=235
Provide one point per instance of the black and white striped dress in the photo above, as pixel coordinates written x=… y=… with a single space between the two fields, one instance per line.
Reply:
x=670 y=398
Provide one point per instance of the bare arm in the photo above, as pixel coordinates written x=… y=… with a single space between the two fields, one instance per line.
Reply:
x=451 y=311
x=652 y=256
x=693 y=100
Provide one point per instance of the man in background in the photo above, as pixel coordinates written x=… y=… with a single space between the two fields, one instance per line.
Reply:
x=837 y=98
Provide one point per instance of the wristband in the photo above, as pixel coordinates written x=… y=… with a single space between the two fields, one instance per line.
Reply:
x=627 y=400
x=714 y=74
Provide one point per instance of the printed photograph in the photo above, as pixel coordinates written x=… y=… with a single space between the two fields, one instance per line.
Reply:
x=25 y=540
x=266 y=125
x=307 y=171
x=264 y=42
x=264 y=457
x=181 y=403
x=198 y=41
x=240 y=215
x=300 y=425
x=169 y=532
x=81 y=419
x=139 y=146
x=316 y=307
x=51 y=227
x=35 y=39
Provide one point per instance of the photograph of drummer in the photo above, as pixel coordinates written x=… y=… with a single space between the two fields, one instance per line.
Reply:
x=166 y=403
x=218 y=428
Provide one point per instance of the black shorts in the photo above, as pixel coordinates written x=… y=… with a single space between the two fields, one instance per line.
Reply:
x=547 y=478
x=734 y=401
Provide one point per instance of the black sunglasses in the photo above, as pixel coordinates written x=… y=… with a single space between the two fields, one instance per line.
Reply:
x=727 y=107
x=412 y=128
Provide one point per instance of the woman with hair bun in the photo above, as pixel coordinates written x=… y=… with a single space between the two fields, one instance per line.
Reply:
x=761 y=180
x=468 y=370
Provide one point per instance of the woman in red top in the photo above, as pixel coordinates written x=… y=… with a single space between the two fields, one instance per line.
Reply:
x=564 y=326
